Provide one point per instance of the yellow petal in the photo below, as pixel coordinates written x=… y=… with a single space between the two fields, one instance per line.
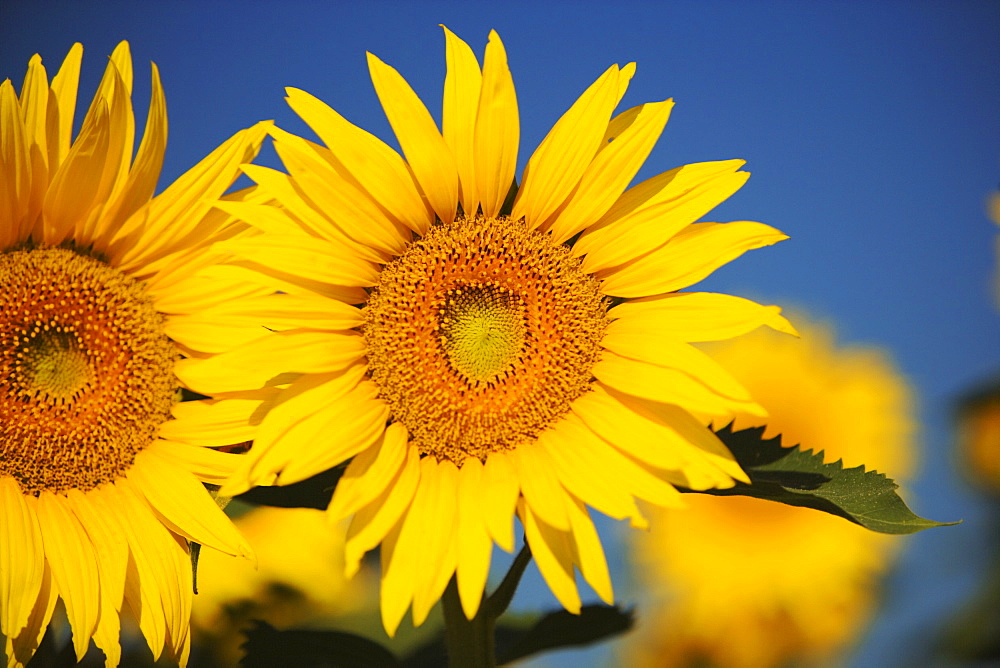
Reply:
x=462 y=84
x=554 y=555
x=315 y=259
x=184 y=505
x=500 y=491
x=34 y=105
x=252 y=366
x=74 y=567
x=21 y=557
x=631 y=475
x=377 y=168
x=474 y=544
x=690 y=256
x=588 y=551
x=651 y=381
x=629 y=338
x=559 y=162
x=346 y=205
x=205 y=464
x=372 y=523
x=700 y=316
x=365 y=476
x=109 y=544
x=211 y=422
x=350 y=427
x=498 y=130
x=15 y=169
x=582 y=479
x=425 y=149
x=21 y=648
x=62 y=106
x=649 y=214
x=539 y=487
x=612 y=169
x=434 y=527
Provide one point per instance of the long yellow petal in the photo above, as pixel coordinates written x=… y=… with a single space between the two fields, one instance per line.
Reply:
x=583 y=480
x=346 y=204
x=372 y=523
x=425 y=149
x=436 y=535
x=21 y=557
x=589 y=552
x=651 y=381
x=350 y=428
x=315 y=259
x=109 y=544
x=252 y=366
x=554 y=555
x=73 y=562
x=690 y=256
x=148 y=590
x=539 y=487
x=498 y=130
x=555 y=168
x=474 y=544
x=33 y=102
x=21 y=648
x=612 y=169
x=462 y=84
x=15 y=169
x=62 y=107
x=184 y=505
x=650 y=213
x=628 y=338
x=500 y=491
x=212 y=422
x=700 y=316
x=205 y=464
x=377 y=168
x=365 y=476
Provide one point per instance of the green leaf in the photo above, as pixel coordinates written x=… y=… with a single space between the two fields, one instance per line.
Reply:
x=266 y=647
x=562 y=629
x=801 y=478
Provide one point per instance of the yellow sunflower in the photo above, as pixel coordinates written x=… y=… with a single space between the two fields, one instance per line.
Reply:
x=298 y=582
x=477 y=364
x=100 y=489
x=743 y=582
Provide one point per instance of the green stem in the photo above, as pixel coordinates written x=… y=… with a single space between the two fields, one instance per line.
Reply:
x=469 y=641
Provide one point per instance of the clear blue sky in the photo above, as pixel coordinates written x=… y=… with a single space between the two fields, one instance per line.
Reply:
x=872 y=130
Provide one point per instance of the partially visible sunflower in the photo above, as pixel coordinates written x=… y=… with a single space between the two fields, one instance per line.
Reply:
x=298 y=582
x=751 y=583
x=534 y=363
x=100 y=490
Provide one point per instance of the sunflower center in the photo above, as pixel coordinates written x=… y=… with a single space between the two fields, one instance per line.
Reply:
x=481 y=335
x=482 y=330
x=86 y=372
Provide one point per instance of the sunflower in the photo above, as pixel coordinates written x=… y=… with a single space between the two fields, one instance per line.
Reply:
x=739 y=581
x=100 y=489
x=475 y=361
x=299 y=581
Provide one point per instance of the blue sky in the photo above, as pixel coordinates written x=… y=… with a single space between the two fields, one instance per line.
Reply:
x=871 y=130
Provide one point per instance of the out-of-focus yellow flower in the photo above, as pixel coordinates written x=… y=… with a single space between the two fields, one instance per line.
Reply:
x=100 y=468
x=743 y=582
x=993 y=209
x=299 y=580
x=979 y=437
x=488 y=372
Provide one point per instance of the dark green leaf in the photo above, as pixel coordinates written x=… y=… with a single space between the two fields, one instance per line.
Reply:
x=314 y=492
x=266 y=647
x=562 y=629
x=801 y=478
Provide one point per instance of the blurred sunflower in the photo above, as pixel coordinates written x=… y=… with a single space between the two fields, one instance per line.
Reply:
x=751 y=583
x=298 y=582
x=535 y=362
x=100 y=489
